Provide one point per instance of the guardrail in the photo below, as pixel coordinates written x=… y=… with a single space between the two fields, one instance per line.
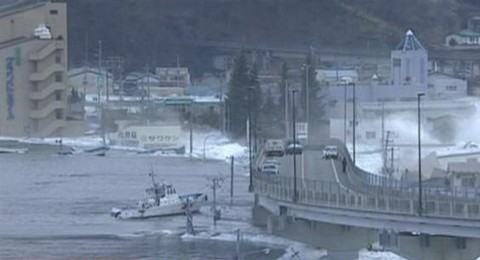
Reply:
x=331 y=194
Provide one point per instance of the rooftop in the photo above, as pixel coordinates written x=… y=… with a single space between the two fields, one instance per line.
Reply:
x=409 y=43
x=470 y=166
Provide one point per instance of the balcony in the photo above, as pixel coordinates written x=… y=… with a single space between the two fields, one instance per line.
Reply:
x=41 y=76
x=47 y=50
x=52 y=127
x=42 y=94
x=44 y=112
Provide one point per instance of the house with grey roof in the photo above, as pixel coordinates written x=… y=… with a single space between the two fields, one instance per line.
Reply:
x=467 y=38
x=464 y=174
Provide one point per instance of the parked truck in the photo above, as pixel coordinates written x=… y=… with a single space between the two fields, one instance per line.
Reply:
x=274 y=147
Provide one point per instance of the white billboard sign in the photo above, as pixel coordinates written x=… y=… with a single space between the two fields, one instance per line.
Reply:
x=301 y=129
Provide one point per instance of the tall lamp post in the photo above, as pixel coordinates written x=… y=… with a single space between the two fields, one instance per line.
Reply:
x=295 y=195
x=286 y=109
x=354 y=122
x=345 y=112
x=420 y=208
x=250 y=186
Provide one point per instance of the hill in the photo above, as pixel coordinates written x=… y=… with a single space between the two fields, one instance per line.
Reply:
x=156 y=31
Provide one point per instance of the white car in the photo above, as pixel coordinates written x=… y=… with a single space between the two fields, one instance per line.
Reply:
x=293 y=148
x=270 y=169
x=272 y=161
x=330 y=151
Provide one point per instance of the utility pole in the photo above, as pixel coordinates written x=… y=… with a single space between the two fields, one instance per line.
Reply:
x=147 y=74
x=249 y=129
x=383 y=142
x=391 y=162
x=99 y=82
x=99 y=77
x=191 y=127
x=385 y=151
x=354 y=123
x=188 y=212
x=216 y=213
x=232 y=164
x=344 y=111
x=420 y=206
x=107 y=92
x=142 y=98
x=286 y=109
x=295 y=195
x=222 y=118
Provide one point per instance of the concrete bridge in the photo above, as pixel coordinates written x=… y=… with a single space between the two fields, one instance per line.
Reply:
x=344 y=212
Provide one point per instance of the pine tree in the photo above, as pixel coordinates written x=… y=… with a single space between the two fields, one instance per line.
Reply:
x=238 y=95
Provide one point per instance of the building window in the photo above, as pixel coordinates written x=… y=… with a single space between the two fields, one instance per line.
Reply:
x=58 y=77
x=58 y=114
x=451 y=88
x=53 y=12
x=468 y=182
x=58 y=95
x=58 y=57
x=370 y=135
x=397 y=62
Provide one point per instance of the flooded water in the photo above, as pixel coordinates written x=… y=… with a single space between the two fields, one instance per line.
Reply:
x=55 y=206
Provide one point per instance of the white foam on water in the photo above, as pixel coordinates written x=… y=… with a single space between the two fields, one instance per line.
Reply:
x=291 y=247
x=364 y=254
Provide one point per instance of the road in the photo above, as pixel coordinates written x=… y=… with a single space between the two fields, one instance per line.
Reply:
x=311 y=166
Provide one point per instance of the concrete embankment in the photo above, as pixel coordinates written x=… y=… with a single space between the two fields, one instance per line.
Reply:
x=18 y=146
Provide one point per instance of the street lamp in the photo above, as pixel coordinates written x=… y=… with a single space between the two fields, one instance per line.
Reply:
x=419 y=95
x=190 y=126
x=345 y=112
x=286 y=109
x=250 y=89
x=295 y=195
x=354 y=122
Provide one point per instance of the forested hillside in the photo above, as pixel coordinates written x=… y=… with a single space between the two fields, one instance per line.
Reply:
x=156 y=31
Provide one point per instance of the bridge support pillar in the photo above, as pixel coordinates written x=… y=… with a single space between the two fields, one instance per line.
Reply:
x=426 y=247
x=260 y=216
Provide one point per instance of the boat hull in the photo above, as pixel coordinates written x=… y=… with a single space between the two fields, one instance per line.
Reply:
x=196 y=201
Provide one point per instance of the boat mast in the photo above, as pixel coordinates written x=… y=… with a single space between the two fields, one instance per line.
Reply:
x=155 y=188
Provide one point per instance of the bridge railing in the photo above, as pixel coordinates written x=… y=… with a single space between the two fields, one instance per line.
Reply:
x=366 y=182
x=331 y=194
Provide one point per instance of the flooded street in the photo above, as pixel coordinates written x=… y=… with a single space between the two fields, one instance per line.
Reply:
x=58 y=207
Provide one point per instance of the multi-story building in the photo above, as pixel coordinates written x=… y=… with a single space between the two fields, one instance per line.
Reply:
x=33 y=69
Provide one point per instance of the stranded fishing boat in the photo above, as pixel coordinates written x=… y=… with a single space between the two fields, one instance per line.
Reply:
x=161 y=200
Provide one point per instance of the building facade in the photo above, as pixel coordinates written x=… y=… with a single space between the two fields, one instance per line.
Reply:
x=33 y=98
x=466 y=38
